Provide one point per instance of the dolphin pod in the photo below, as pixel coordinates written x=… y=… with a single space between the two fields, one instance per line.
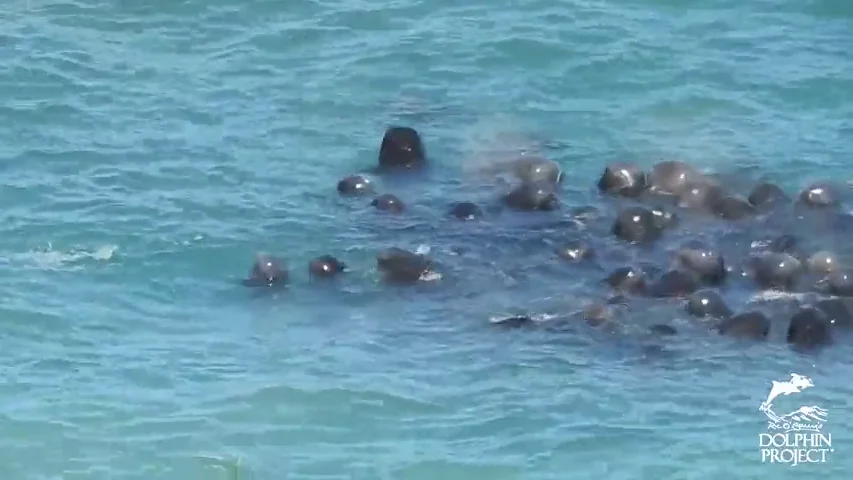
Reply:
x=763 y=239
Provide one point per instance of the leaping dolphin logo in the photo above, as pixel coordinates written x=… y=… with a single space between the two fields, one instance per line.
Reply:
x=796 y=384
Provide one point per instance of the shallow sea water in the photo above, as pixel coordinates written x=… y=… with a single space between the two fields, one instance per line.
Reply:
x=149 y=149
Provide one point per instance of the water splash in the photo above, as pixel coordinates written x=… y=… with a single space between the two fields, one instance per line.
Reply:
x=72 y=259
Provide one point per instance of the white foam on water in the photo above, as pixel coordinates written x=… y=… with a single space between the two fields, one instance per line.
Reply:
x=431 y=276
x=194 y=239
x=50 y=259
x=767 y=295
x=231 y=467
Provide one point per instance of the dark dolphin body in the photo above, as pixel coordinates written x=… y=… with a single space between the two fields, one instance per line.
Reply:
x=671 y=177
x=267 y=271
x=823 y=263
x=708 y=266
x=354 y=185
x=707 y=303
x=838 y=283
x=623 y=179
x=466 y=211
x=667 y=237
x=628 y=280
x=838 y=311
x=388 y=203
x=326 y=266
x=702 y=194
x=401 y=149
x=674 y=283
x=752 y=325
x=733 y=207
x=809 y=328
x=402 y=266
x=779 y=271
x=819 y=195
x=637 y=225
x=766 y=196
x=534 y=169
x=532 y=196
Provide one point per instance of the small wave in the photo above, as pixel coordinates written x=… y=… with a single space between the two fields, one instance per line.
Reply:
x=50 y=259
x=538 y=317
x=431 y=276
x=231 y=466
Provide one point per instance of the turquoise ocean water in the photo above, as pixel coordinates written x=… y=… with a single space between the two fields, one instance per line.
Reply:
x=149 y=149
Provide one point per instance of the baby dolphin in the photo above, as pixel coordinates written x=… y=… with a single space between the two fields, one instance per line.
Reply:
x=401 y=148
x=533 y=169
x=353 y=185
x=732 y=207
x=819 y=195
x=533 y=196
x=775 y=271
x=700 y=195
x=671 y=177
x=623 y=179
x=388 y=203
x=638 y=225
x=674 y=283
x=708 y=266
x=707 y=303
x=326 y=266
x=838 y=282
x=575 y=251
x=752 y=325
x=466 y=211
x=596 y=314
x=267 y=271
x=402 y=266
x=627 y=280
x=837 y=311
x=822 y=262
x=766 y=196
x=809 y=328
